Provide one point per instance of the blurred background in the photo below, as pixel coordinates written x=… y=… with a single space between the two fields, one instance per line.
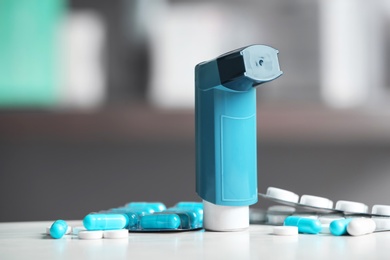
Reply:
x=97 y=100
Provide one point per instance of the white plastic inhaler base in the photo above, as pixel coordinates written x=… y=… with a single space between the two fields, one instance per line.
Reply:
x=225 y=218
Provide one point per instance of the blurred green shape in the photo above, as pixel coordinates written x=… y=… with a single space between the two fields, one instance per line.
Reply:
x=29 y=66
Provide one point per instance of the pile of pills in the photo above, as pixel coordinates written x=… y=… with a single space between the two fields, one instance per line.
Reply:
x=134 y=217
x=346 y=218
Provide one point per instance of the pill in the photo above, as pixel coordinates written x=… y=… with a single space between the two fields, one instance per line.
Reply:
x=281 y=209
x=316 y=201
x=133 y=216
x=285 y=230
x=132 y=220
x=160 y=221
x=195 y=206
x=76 y=230
x=382 y=223
x=189 y=205
x=105 y=221
x=282 y=194
x=68 y=231
x=139 y=211
x=95 y=234
x=361 y=226
x=58 y=229
x=156 y=206
x=381 y=210
x=306 y=215
x=351 y=206
x=339 y=227
x=188 y=218
x=116 y=234
x=326 y=220
x=305 y=225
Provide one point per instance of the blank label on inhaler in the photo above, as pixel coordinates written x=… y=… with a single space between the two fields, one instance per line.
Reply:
x=238 y=153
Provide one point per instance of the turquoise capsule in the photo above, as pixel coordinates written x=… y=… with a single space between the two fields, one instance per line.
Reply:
x=339 y=227
x=189 y=204
x=195 y=206
x=305 y=225
x=58 y=229
x=155 y=206
x=190 y=218
x=105 y=221
x=160 y=221
x=140 y=211
x=133 y=220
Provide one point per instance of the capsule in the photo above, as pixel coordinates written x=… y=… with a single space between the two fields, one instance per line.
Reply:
x=124 y=210
x=189 y=204
x=160 y=221
x=105 y=221
x=339 y=227
x=155 y=206
x=194 y=206
x=132 y=214
x=58 y=229
x=189 y=218
x=133 y=220
x=361 y=226
x=305 y=225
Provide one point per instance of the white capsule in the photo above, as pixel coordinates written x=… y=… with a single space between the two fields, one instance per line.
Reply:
x=96 y=234
x=315 y=201
x=381 y=210
x=282 y=194
x=351 y=206
x=116 y=234
x=68 y=231
x=285 y=230
x=361 y=226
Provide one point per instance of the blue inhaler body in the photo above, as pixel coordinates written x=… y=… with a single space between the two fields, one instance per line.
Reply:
x=225 y=121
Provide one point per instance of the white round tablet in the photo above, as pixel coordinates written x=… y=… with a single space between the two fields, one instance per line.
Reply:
x=281 y=209
x=96 y=234
x=351 y=206
x=381 y=210
x=114 y=234
x=382 y=224
x=76 y=230
x=285 y=230
x=315 y=201
x=361 y=226
x=282 y=194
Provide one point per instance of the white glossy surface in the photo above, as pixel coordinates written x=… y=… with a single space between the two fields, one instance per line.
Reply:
x=29 y=241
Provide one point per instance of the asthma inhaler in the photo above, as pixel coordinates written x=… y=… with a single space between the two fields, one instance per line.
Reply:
x=225 y=122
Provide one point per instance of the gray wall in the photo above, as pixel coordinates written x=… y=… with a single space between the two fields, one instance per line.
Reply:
x=46 y=180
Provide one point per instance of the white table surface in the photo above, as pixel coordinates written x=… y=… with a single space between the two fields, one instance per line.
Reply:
x=27 y=240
